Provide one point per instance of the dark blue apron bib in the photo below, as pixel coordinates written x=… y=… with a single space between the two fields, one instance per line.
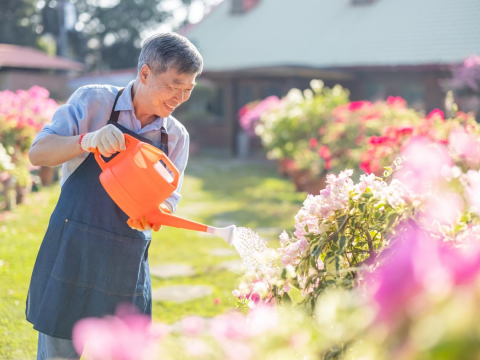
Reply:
x=90 y=260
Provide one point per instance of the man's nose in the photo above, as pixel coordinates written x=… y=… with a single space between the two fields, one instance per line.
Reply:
x=179 y=96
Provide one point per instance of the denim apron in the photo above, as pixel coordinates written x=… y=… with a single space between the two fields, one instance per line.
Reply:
x=90 y=260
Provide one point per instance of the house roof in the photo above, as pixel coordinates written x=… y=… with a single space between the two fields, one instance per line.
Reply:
x=336 y=34
x=113 y=77
x=26 y=57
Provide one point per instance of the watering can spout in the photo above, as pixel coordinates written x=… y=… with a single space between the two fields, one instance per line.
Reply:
x=226 y=233
x=166 y=219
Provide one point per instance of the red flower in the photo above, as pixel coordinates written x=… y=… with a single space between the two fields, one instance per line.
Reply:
x=435 y=113
x=324 y=152
x=462 y=115
x=396 y=101
x=328 y=164
x=365 y=166
x=378 y=139
x=407 y=130
x=313 y=143
x=372 y=116
x=357 y=105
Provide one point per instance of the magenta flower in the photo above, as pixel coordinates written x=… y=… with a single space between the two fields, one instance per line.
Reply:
x=419 y=265
x=249 y=117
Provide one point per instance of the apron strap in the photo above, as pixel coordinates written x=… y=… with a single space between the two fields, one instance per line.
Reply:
x=114 y=114
x=164 y=138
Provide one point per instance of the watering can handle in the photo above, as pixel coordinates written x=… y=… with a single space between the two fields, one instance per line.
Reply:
x=171 y=167
x=130 y=142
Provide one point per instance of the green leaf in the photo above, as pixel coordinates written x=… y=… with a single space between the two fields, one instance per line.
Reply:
x=342 y=242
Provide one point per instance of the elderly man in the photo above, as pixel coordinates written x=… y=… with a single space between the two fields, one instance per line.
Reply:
x=93 y=257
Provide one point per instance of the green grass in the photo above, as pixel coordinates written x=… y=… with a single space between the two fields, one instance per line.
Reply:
x=216 y=191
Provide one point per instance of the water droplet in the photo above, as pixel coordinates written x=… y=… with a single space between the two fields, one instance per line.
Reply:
x=252 y=250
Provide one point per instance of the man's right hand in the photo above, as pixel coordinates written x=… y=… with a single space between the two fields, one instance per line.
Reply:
x=108 y=140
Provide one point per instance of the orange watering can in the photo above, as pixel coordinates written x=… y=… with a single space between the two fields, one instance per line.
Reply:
x=138 y=183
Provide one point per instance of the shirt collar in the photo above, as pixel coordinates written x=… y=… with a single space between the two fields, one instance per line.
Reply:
x=125 y=103
x=125 y=100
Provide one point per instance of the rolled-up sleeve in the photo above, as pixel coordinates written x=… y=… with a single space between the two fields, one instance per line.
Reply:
x=69 y=119
x=179 y=156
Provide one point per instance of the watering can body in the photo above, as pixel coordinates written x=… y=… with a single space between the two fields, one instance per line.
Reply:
x=138 y=183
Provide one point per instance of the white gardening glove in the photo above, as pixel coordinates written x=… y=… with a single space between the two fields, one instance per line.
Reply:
x=108 y=140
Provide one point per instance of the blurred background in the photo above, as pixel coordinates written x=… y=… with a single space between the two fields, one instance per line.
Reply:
x=292 y=91
x=252 y=49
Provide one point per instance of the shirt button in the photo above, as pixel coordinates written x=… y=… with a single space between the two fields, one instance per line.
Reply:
x=66 y=220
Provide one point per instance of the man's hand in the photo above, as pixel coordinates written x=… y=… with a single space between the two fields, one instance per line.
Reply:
x=143 y=224
x=108 y=140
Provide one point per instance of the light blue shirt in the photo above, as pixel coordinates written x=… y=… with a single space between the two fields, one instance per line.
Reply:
x=89 y=108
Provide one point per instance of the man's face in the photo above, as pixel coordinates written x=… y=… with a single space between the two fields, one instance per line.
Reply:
x=168 y=90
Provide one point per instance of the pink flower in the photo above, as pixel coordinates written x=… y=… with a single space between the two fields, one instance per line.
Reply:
x=195 y=347
x=465 y=146
x=248 y=117
x=193 y=325
x=424 y=164
x=228 y=326
x=261 y=319
x=313 y=143
x=126 y=336
x=444 y=207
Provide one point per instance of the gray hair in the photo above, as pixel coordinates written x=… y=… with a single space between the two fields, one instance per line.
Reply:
x=162 y=52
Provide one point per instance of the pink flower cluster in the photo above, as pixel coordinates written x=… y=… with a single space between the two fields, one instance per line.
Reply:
x=420 y=266
x=26 y=108
x=126 y=336
x=249 y=114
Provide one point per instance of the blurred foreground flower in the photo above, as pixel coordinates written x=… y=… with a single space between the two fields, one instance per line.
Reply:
x=126 y=336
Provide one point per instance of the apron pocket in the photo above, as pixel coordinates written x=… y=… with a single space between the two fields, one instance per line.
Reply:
x=98 y=259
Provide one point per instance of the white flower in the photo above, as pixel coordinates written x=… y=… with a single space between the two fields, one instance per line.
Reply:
x=316 y=85
x=260 y=288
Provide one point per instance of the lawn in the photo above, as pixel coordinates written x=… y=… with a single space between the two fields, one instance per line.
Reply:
x=216 y=191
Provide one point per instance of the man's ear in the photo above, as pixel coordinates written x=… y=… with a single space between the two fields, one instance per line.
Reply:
x=145 y=72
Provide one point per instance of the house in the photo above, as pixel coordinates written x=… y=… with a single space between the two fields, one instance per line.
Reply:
x=22 y=67
x=375 y=48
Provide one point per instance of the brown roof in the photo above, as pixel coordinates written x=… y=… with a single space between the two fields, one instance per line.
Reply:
x=26 y=57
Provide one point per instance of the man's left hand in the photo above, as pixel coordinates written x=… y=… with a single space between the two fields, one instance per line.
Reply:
x=143 y=223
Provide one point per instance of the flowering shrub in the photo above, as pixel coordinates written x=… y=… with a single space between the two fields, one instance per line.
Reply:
x=387 y=268
x=22 y=115
x=459 y=133
x=286 y=127
x=345 y=138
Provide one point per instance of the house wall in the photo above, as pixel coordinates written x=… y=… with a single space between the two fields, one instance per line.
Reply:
x=18 y=79
x=421 y=89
